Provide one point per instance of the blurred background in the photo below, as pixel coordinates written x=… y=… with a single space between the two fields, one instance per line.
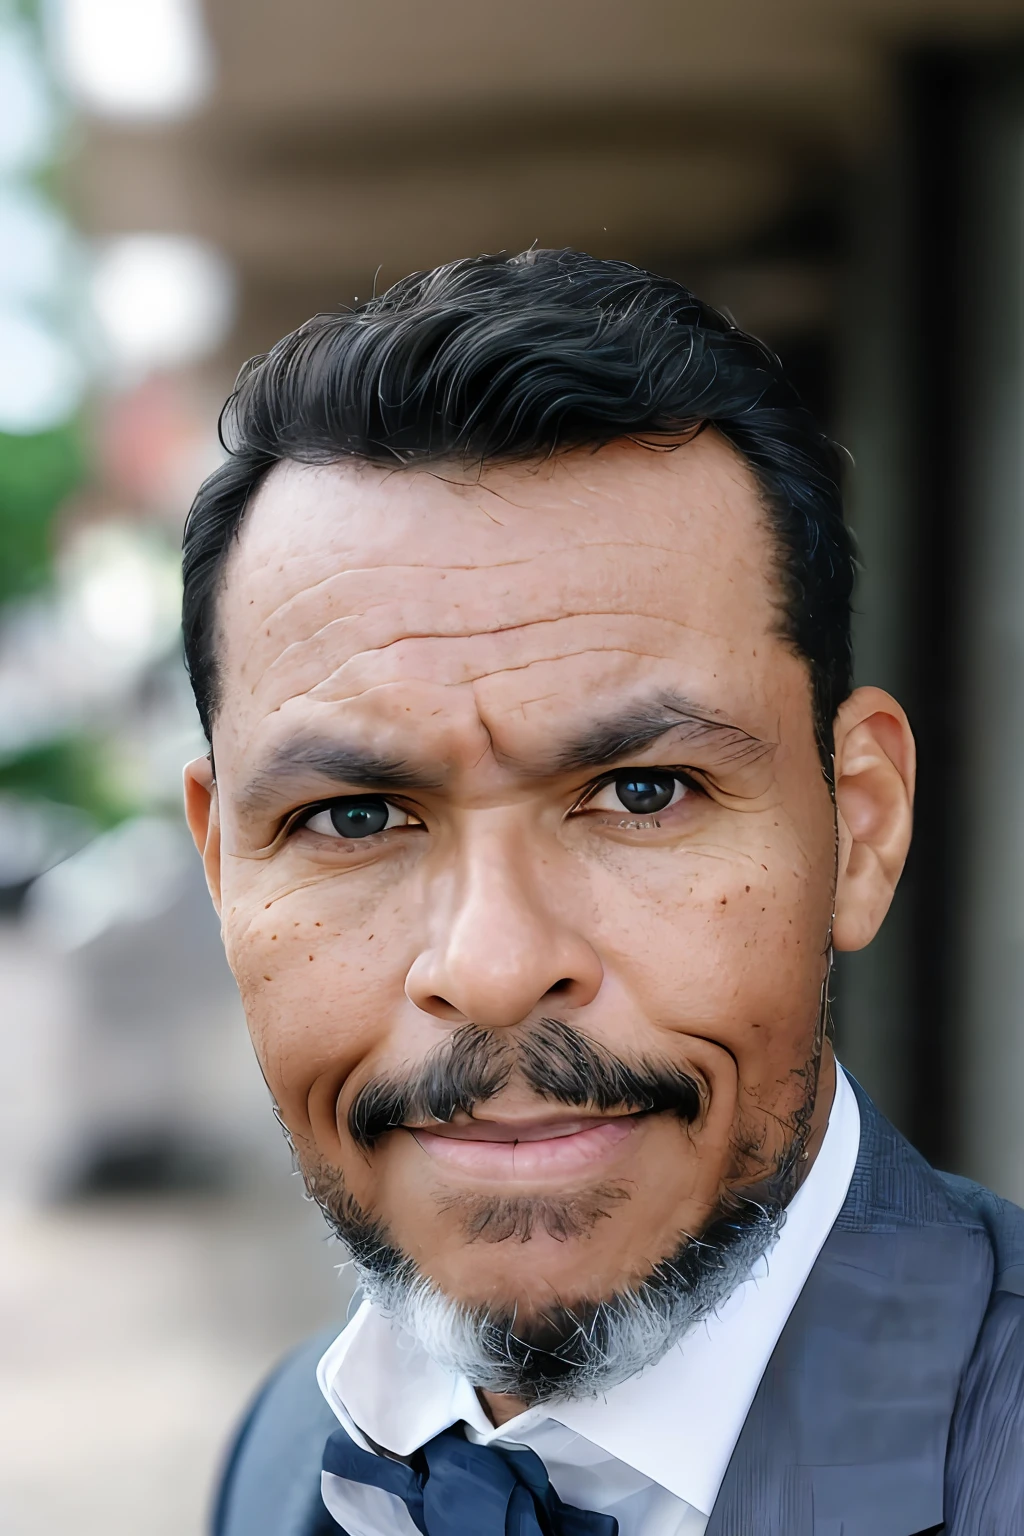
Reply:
x=180 y=183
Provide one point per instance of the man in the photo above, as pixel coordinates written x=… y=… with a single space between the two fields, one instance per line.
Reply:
x=537 y=800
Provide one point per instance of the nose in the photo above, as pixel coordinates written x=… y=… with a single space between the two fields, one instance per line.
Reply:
x=502 y=947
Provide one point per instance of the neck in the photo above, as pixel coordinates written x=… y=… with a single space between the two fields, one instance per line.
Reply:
x=501 y=1406
x=822 y=1109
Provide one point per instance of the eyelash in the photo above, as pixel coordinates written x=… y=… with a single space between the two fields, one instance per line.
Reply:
x=300 y=818
x=683 y=777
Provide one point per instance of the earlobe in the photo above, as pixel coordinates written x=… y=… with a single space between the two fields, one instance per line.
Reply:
x=202 y=812
x=875 y=766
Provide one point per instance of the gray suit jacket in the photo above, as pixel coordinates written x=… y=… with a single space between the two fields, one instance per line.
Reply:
x=893 y=1404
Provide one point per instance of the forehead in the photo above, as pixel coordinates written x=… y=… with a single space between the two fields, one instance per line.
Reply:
x=433 y=603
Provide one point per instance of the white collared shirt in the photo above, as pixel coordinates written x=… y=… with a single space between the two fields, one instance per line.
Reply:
x=652 y=1451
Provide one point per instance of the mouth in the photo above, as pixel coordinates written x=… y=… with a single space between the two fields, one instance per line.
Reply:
x=505 y=1151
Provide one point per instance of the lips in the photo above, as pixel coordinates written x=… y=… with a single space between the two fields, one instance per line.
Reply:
x=505 y=1152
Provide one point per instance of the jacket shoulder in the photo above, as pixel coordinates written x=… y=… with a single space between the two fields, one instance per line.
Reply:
x=894 y=1189
x=270 y=1485
x=1004 y=1223
x=985 y=1462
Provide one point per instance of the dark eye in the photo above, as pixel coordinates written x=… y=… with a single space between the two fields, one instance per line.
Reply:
x=639 y=794
x=358 y=816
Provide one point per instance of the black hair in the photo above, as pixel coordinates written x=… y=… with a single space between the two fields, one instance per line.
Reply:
x=497 y=359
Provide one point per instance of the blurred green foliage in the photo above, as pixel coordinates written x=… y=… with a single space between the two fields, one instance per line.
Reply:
x=36 y=474
x=73 y=770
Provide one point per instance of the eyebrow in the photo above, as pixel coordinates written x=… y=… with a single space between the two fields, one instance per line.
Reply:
x=600 y=743
x=302 y=755
x=641 y=725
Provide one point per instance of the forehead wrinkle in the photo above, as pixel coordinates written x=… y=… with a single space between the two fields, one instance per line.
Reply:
x=471 y=632
x=332 y=689
x=613 y=478
x=317 y=694
x=308 y=593
x=472 y=658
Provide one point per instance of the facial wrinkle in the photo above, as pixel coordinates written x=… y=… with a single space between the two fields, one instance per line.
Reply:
x=390 y=570
x=450 y=599
x=472 y=634
x=469 y=662
x=314 y=666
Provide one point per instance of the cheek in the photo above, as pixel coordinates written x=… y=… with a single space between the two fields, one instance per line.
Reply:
x=316 y=994
x=724 y=943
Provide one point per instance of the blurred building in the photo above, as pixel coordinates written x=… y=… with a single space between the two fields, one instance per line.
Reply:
x=846 y=180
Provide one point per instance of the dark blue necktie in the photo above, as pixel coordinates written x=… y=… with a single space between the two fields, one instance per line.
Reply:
x=468 y=1490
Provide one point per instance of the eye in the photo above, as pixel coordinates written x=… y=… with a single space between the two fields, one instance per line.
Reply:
x=639 y=793
x=358 y=816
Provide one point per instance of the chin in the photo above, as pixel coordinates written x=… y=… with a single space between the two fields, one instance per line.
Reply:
x=533 y=1295
x=545 y=1318
x=487 y=1240
x=529 y=1252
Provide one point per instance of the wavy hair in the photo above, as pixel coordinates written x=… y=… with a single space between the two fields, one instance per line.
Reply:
x=498 y=359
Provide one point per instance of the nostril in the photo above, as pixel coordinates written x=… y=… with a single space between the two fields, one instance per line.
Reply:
x=441 y=1008
x=565 y=985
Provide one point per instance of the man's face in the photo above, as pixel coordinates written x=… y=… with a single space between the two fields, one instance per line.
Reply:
x=523 y=756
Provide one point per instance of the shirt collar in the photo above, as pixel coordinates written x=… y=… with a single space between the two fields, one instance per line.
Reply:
x=677 y=1422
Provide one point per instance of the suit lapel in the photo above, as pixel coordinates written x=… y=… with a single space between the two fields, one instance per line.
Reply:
x=847 y=1432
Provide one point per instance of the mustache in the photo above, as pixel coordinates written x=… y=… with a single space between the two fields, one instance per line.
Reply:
x=556 y=1061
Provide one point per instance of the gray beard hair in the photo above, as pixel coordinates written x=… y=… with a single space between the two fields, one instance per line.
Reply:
x=586 y=1348
x=615 y=1340
x=570 y=1352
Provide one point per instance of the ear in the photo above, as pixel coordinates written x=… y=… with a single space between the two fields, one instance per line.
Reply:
x=875 y=765
x=202 y=812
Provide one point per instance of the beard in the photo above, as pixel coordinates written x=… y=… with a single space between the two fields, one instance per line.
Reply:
x=569 y=1351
